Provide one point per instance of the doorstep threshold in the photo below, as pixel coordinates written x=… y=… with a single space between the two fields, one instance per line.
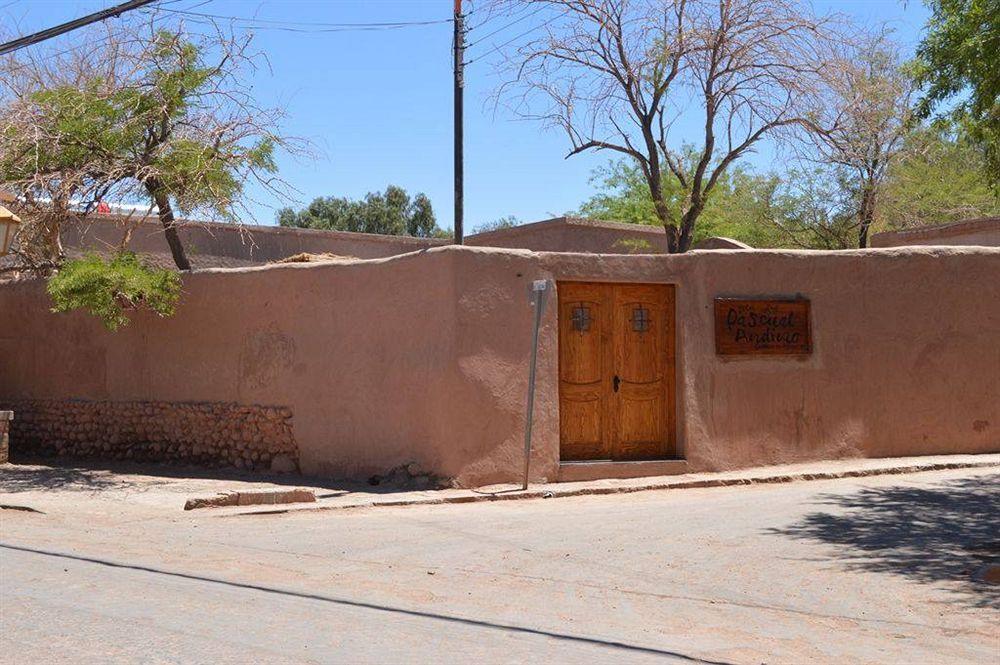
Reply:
x=599 y=469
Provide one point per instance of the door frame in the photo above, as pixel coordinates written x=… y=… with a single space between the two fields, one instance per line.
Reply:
x=672 y=371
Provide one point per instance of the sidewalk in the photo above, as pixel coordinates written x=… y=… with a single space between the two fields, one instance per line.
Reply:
x=759 y=475
x=162 y=490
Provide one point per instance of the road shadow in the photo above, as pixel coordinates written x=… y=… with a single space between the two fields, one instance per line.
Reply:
x=947 y=532
x=30 y=477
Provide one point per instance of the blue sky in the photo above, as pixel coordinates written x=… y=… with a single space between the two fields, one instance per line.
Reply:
x=377 y=104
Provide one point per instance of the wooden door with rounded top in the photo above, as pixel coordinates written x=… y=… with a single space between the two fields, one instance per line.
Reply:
x=642 y=384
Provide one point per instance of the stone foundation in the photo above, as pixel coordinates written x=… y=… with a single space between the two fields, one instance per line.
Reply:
x=202 y=433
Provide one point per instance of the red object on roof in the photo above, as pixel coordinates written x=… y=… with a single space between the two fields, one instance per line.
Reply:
x=103 y=208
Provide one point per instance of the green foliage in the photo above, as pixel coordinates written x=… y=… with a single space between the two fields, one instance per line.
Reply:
x=635 y=246
x=816 y=208
x=960 y=55
x=388 y=213
x=109 y=289
x=736 y=207
x=156 y=115
x=508 y=222
x=937 y=179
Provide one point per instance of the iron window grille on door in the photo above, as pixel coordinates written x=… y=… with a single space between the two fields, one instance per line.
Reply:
x=640 y=319
x=581 y=318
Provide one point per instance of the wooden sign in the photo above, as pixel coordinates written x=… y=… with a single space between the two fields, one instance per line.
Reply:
x=762 y=327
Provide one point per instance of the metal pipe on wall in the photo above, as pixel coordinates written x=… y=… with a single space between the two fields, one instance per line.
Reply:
x=538 y=289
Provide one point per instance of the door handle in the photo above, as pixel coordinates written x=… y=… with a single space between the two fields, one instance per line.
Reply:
x=616 y=382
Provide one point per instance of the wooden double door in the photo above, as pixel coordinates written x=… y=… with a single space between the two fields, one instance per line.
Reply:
x=616 y=371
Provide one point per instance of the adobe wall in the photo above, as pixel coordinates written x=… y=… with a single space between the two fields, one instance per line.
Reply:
x=258 y=244
x=568 y=234
x=983 y=232
x=423 y=357
x=208 y=244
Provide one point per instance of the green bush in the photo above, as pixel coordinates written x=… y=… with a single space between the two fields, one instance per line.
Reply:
x=110 y=288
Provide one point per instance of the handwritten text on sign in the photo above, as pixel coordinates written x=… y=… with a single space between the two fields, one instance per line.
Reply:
x=765 y=327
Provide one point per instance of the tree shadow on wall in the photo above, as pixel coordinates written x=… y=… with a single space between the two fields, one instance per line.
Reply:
x=944 y=533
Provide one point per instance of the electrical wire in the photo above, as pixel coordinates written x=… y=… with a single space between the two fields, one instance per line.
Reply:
x=301 y=26
x=69 y=26
x=501 y=29
x=511 y=41
x=114 y=34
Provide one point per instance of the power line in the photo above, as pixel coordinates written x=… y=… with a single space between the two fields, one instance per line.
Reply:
x=63 y=28
x=512 y=40
x=290 y=25
x=501 y=29
x=112 y=34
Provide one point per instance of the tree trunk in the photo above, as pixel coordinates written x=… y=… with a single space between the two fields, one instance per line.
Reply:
x=866 y=216
x=688 y=221
x=53 y=241
x=686 y=235
x=673 y=238
x=662 y=211
x=166 y=215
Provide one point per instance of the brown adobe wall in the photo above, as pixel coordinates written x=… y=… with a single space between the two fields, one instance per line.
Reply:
x=248 y=244
x=423 y=357
x=570 y=234
x=983 y=232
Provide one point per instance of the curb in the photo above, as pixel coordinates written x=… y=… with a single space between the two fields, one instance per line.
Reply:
x=553 y=492
x=251 y=498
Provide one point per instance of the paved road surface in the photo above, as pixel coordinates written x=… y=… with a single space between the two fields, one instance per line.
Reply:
x=875 y=570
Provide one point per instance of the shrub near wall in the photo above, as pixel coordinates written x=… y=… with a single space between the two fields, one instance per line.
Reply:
x=208 y=434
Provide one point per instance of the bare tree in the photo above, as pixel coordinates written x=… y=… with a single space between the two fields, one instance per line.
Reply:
x=141 y=114
x=865 y=113
x=617 y=74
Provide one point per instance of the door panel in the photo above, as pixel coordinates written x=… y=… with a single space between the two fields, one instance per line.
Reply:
x=584 y=372
x=616 y=368
x=581 y=362
x=638 y=328
x=640 y=344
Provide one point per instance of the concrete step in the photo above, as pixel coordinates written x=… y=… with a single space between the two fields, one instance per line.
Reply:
x=596 y=470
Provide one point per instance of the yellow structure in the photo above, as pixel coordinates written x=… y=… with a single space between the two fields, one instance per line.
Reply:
x=8 y=226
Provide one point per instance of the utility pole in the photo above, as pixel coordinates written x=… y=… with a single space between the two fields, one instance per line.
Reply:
x=459 y=89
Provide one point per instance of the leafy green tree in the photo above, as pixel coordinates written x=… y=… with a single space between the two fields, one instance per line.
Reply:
x=959 y=58
x=816 y=208
x=738 y=207
x=937 y=180
x=157 y=117
x=109 y=289
x=392 y=212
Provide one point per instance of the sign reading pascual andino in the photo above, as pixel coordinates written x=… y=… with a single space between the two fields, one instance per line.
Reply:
x=762 y=327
